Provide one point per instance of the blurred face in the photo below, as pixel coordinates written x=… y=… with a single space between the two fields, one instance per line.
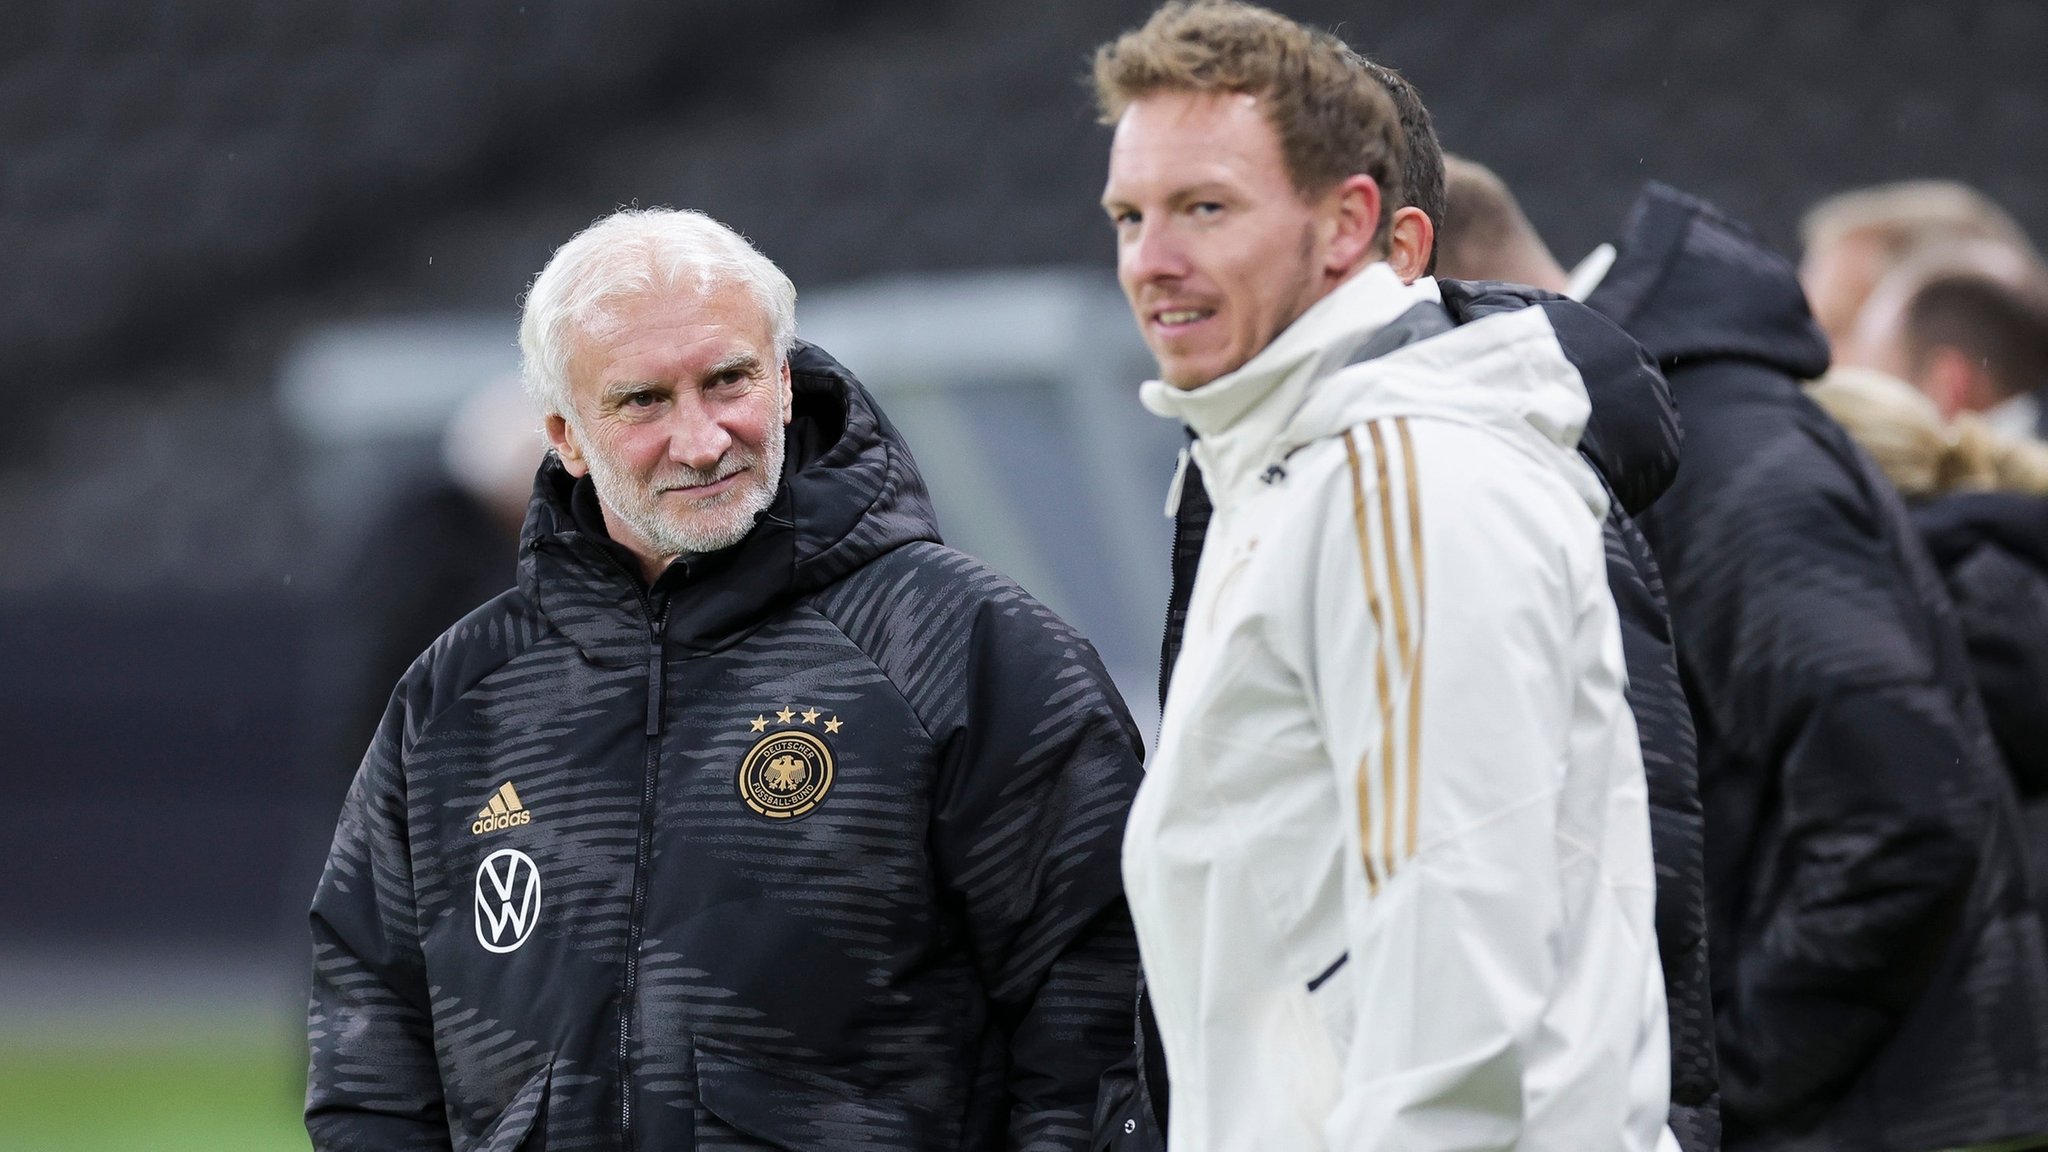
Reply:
x=1838 y=277
x=1875 y=337
x=678 y=421
x=1216 y=250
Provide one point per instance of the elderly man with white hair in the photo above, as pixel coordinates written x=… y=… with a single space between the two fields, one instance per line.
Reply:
x=753 y=816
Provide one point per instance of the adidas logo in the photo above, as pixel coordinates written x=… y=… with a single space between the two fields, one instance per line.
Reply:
x=504 y=811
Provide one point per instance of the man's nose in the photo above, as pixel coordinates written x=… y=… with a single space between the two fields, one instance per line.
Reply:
x=697 y=438
x=1153 y=253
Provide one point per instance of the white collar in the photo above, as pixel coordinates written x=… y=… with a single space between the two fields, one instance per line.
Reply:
x=1239 y=416
x=2015 y=416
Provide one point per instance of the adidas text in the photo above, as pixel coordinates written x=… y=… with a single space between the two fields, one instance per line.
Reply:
x=499 y=821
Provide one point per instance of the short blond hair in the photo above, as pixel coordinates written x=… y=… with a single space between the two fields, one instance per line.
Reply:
x=1333 y=116
x=1484 y=234
x=1904 y=216
x=1923 y=457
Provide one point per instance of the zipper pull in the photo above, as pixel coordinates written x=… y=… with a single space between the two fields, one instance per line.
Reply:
x=1180 y=475
x=656 y=690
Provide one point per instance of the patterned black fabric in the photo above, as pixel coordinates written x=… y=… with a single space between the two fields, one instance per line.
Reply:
x=1992 y=549
x=827 y=827
x=1879 y=975
x=1632 y=441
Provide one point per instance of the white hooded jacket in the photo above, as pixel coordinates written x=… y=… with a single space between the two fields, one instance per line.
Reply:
x=1390 y=866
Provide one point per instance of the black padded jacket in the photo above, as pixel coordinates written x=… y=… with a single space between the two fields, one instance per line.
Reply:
x=1992 y=549
x=1879 y=975
x=813 y=844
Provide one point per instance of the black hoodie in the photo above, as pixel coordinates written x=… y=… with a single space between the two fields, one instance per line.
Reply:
x=1992 y=549
x=1879 y=975
x=1632 y=442
x=815 y=843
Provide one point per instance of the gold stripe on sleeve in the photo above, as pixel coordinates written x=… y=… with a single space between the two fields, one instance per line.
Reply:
x=1397 y=594
x=1421 y=627
x=1372 y=600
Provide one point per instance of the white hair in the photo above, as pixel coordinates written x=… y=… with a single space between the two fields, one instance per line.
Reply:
x=632 y=254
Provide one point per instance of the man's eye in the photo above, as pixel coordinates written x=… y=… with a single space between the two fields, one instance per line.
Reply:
x=1206 y=208
x=1124 y=217
x=642 y=400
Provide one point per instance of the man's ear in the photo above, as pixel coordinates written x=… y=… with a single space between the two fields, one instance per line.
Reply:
x=1950 y=380
x=562 y=435
x=788 y=393
x=1354 y=225
x=1410 y=240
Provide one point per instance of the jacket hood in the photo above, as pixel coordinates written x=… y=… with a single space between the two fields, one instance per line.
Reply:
x=1691 y=283
x=1632 y=436
x=850 y=492
x=2015 y=522
x=1506 y=372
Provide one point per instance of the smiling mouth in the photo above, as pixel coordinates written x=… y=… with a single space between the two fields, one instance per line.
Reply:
x=1181 y=317
x=711 y=489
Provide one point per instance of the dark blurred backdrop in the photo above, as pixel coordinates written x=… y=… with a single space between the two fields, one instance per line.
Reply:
x=200 y=200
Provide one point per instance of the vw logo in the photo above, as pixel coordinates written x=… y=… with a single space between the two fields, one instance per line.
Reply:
x=507 y=900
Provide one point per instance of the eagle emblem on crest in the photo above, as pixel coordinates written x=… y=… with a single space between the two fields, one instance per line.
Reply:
x=787 y=773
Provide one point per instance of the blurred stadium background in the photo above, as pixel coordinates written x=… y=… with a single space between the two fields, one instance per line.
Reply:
x=258 y=252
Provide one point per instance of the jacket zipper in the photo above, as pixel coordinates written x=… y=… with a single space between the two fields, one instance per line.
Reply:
x=656 y=690
x=1177 y=595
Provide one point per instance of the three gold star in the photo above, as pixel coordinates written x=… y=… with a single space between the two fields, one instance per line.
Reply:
x=789 y=715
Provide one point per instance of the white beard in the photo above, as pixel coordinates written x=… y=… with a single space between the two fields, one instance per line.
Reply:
x=715 y=524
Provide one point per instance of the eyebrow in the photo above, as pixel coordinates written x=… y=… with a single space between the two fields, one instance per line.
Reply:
x=1204 y=190
x=746 y=362
x=621 y=389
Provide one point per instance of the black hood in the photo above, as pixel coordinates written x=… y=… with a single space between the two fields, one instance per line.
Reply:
x=2013 y=521
x=849 y=493
x=1691 y=283
x=1632 y=437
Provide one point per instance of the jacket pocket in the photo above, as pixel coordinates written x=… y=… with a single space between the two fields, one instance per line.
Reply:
x=1326 y=1041
x=740 y=1105
x=522 y=1126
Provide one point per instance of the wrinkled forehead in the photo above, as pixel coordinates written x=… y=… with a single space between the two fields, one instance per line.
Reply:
x=674 y=330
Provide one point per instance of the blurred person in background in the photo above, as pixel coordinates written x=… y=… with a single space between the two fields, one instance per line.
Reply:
x=438 y=550
x=1880 y=979
x=1350 y=913
x=1967 y=325
x=1486 y=236
x=1980 y=499
x=751 y=814
x=1853 y=239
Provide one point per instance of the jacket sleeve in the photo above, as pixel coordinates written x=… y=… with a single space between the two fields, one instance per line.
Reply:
x=1038 y=774
x=1461 y=663
x=373 y=1084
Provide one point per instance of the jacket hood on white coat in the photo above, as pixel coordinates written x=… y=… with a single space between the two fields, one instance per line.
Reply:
x=1506 y=372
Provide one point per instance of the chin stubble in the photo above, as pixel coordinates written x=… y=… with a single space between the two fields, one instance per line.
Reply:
x=718 y=524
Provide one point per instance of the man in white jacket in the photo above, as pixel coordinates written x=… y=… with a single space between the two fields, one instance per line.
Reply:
x=1390 y=866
